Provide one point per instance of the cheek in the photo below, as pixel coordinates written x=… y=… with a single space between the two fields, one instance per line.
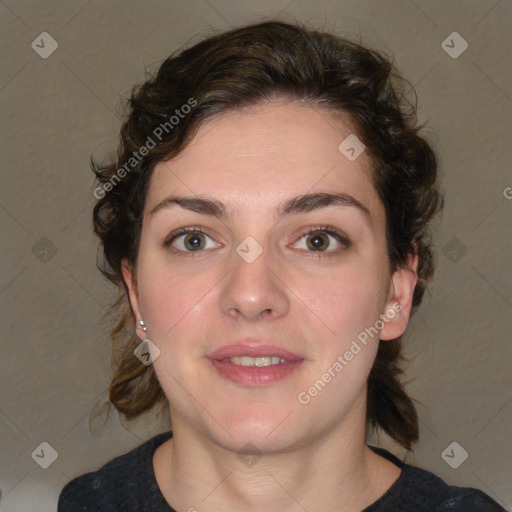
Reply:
x=170 y=300
x=348 y=305
x=341 y=305
x=175 y=309
x=162 y=285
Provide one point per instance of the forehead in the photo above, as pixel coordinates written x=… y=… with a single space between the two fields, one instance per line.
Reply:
x=253 y=159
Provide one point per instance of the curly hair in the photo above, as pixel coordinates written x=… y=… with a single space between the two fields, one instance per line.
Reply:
x=241 y=68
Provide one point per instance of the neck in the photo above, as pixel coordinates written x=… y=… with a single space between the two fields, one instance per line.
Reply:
x=336 y=472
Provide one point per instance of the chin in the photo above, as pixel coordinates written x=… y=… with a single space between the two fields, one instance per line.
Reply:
x=261 y=432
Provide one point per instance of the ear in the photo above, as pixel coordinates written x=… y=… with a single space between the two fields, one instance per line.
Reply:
x=129 y=279
x=399 y=303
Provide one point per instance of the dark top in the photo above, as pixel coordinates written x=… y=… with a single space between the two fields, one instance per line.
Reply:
x=127 y=483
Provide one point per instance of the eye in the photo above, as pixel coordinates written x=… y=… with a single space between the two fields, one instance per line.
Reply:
x=318 y=239
x=190 y=239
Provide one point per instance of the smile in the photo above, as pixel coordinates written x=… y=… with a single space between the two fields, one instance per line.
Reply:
x=252 y=363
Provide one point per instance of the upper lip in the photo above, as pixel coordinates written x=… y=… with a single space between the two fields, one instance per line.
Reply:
x=253 y=349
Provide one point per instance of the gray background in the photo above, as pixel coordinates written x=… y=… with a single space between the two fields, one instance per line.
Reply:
x=55 y=351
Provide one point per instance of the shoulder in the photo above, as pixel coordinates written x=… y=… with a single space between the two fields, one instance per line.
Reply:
x=421 y=490
x=429 y=488
x=117 y=485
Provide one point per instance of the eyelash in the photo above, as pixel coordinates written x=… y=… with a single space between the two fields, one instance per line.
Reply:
x=338 y=235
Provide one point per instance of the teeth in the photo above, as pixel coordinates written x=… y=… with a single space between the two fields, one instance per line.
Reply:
x=257 y=361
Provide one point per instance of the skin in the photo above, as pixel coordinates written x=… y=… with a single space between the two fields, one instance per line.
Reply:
x=312 y=456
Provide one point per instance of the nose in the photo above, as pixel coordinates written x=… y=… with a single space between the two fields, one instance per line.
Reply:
x=254 y=289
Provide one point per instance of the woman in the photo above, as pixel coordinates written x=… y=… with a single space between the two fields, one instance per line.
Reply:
x=268 y=217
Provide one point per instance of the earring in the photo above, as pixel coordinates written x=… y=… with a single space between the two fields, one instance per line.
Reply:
x=142 y=325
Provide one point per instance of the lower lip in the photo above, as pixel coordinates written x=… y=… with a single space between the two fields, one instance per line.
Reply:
x=252 y=375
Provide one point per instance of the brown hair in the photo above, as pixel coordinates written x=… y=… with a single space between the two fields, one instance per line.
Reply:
x=244 y=67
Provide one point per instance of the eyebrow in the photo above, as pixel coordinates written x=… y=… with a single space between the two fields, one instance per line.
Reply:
x=292 y=206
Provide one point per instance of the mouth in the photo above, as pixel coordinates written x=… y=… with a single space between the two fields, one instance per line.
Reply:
x=254 y=366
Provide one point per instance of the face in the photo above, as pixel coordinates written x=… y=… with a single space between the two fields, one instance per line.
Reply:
x=253 y=287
